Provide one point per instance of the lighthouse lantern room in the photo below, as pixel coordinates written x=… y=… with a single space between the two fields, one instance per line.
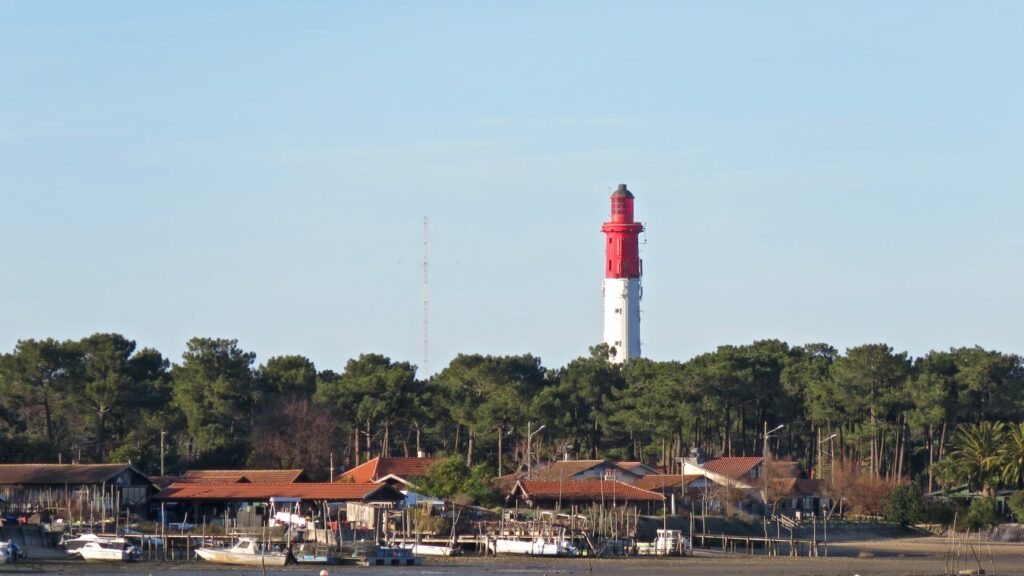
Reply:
x=621 y=286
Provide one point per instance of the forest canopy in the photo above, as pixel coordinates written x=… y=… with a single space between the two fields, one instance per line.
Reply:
x=101 y=399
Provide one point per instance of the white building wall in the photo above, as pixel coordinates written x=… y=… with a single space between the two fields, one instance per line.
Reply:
x=622 y=317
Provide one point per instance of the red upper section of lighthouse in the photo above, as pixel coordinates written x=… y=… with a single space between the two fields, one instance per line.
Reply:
x=622 y=251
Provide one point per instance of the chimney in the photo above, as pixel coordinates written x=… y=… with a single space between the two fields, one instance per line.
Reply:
x=421 y=454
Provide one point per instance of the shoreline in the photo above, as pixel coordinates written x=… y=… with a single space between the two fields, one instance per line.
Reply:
x=889 y=557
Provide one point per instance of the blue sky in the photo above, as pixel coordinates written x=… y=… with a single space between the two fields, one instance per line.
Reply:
x=846 y=172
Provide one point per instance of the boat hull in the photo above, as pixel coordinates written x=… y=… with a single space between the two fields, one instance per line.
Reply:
x=237 y=559
x=105 y=556
x=538 y=547
x=96 y=553
x=430 y=550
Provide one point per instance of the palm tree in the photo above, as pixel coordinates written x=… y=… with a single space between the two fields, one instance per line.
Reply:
x=1011 y=456
x=975 y=454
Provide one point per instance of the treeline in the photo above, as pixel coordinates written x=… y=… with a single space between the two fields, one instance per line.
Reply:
x=100 y=399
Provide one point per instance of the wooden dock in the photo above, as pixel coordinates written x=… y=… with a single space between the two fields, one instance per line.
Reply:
x=767 y=546
x=181 y=547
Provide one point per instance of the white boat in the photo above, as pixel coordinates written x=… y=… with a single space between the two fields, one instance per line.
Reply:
x=670 y=543
x=245 y=552
x=110 y=552
x=429 y=549
x=539 y=546
x=73 y=545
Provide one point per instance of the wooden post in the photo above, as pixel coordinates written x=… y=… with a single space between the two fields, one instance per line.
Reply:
x=163 y=528
x=825 y=518
x=814 y=541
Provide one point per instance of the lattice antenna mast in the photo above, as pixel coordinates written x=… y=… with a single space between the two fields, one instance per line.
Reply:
x=426 y=297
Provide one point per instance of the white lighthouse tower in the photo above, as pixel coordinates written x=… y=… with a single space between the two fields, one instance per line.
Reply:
x=621 y=286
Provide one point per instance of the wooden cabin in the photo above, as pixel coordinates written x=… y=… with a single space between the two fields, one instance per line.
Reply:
x=73 y=490
x=244 y=504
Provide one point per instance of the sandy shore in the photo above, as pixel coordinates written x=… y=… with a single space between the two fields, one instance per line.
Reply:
x=893 y=557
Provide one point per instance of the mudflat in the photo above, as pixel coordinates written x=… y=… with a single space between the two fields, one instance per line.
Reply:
x=889 y=557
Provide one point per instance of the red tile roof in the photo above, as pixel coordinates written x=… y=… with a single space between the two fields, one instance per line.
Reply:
x=642 y=467
x=656 y=482
x=589 y=490
x=566 y=469
x=254 y=476
x=265 y=491
x=734 y=467
x=376 y=469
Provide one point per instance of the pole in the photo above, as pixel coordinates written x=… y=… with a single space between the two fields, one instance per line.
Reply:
x=664 y=510
x=529 y=439
x=682 y=487
x=825 y=516
x=163 y=527
x=831 y=461
x=426 y=298
x=162 y=434
x=819 y=463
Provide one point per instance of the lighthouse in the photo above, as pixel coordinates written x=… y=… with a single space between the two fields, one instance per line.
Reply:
x=621 y=286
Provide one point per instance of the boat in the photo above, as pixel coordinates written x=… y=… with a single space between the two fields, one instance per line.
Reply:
x=540 y=546
x=245 y=552
x=316 y=553
x=361 y=552
x=109 y=552
x=73 y=545
x=670 y=543
x=430 y=549
x=389 y=556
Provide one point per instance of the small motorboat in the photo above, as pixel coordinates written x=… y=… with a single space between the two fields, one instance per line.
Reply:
x=540 y=546
x=73 y=545
x=124 y=552
x=389 y=556
x=430 y=549
x=670 y=543
x=245 y=552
